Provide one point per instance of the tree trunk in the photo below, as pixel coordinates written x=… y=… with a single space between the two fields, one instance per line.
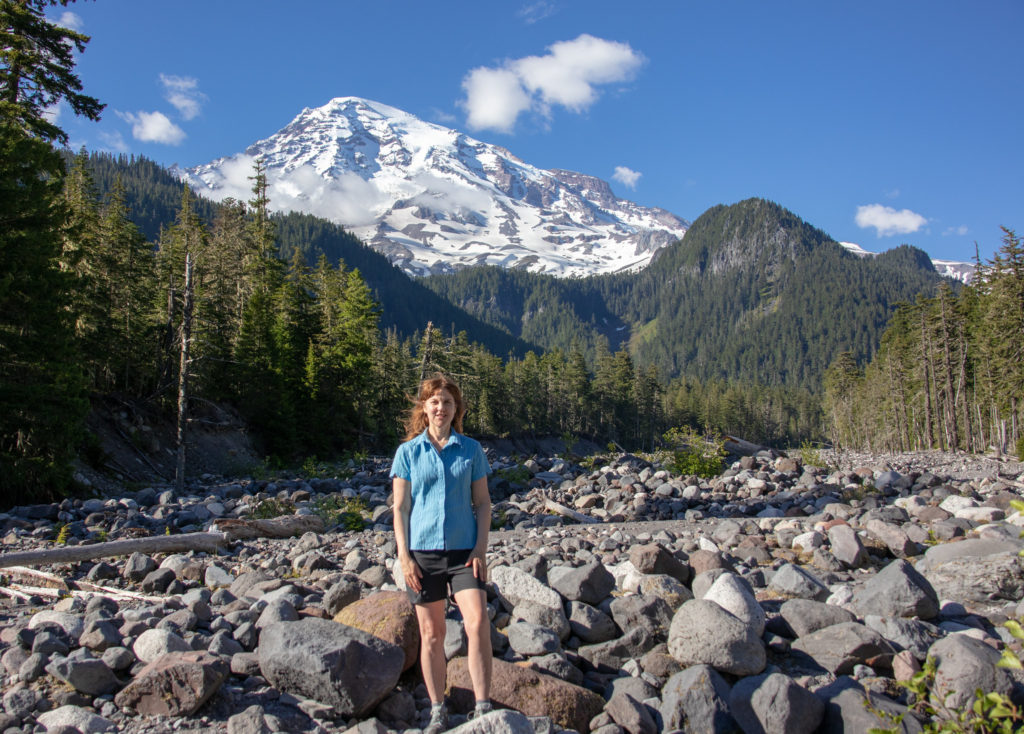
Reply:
x=186 y=339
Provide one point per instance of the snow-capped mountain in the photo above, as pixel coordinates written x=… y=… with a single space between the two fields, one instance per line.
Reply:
x=950 y=268
x=433 y=199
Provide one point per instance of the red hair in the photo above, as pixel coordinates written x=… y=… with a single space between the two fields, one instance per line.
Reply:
x=416 y=421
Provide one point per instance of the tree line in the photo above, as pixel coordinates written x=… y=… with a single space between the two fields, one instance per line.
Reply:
x=949 y=373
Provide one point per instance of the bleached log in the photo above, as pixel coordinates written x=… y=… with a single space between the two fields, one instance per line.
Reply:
x=26 y=592
x=208 y=542
x=223 y=532
x=566 y=512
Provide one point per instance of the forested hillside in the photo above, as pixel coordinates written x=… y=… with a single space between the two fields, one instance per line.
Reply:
x=949 y=373
x=751 y=293
x=152 y=196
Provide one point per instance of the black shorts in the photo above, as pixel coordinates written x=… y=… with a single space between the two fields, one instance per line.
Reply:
x=442 y=571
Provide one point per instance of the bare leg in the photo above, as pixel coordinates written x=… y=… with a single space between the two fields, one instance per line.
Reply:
x=432 y=630
x=473 y=606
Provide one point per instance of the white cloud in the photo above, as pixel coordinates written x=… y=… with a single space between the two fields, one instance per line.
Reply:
x=70 y=20
x=537 y=11
x=959 y=231
x=113 y=142
x=183 y=92
x=52 y=113
x=568 y=76
x=494 y=99
x=626 y=176
x=888 y=221
x=153 y=127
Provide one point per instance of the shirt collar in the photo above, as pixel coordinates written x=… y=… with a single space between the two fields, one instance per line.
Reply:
x=453 y=439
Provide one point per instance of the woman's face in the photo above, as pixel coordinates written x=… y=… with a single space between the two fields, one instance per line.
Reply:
x=440 y=410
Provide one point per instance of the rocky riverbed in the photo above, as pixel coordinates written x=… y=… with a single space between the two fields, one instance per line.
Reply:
x=776 y=597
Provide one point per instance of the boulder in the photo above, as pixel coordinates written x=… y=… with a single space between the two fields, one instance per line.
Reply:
x=793 y=581
x=696 y=700
x=652 y=558
x=805 y=616
x=703 y=632
x=177 y=684
x=590 y=583
x=76 y=719
x=840 y=647
x=735 y=595
x=963 y=665
x=527 y=691
x=388 y=615
x=332 y=663
x=898 y=590
x=765 y=704
x=514 y=586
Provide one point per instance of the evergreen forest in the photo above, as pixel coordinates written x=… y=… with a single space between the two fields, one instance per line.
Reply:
x=116 y=280
x=949 y=372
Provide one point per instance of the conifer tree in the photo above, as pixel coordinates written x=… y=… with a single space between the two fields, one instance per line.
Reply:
x=42 y=388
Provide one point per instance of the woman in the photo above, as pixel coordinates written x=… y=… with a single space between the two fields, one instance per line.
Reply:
x=442 y=519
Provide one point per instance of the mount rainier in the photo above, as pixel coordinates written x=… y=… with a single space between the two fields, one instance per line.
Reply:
x=435 y=200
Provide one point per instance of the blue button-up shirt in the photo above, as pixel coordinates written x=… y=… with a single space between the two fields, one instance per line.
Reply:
x=442 y=515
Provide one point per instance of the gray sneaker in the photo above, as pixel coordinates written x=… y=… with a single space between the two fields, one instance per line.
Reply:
x=438 y=720
x=481 y=709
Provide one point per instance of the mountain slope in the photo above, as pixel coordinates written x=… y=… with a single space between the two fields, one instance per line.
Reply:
x=154 y=196
x=751 y=292
x=435 y=200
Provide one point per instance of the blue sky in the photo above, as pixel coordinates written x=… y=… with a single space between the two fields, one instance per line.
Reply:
x=880 y=122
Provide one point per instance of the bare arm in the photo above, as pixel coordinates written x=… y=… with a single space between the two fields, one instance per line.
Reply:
x=481 y=498
x=402 y=510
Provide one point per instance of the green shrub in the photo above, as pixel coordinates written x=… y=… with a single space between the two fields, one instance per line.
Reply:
x=692 y=454
x=812 y=455
x=270 y=508
x=1020 y=449
x=346 y=512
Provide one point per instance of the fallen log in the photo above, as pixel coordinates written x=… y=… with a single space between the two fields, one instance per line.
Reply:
x=221 y=534
x=285 y=526
x=566 y=512
x=208 y=542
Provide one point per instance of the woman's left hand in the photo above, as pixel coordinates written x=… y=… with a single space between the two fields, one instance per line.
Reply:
x=478 y=560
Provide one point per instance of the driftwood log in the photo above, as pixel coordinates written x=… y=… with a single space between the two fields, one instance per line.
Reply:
x=222 y=533
x=564 y=511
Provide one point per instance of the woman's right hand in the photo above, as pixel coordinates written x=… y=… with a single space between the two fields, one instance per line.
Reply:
x=411 y=572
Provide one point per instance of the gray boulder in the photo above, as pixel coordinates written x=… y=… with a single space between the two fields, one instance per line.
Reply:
x=805 y=616
x=589 y=583
x=898 y=590
x=84 y=673
x=793 y=581
x=963 y=665
x=976 y=569
x=912 y=635
x=840 y=647
x=590 y=624
x=515 y=586
x=75 y=718
x=696 y=700
x=703 y=632
x=638 y=610
x=846 y=546
x=553 y=619
x=735 y=595
x=530 y=639
x=848 y=708
x=331 y=663
x=765 y=704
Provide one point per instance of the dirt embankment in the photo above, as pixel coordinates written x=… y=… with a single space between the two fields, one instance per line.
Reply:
x=135 y=442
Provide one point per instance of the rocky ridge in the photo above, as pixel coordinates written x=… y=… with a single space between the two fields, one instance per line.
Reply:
x=777 y=596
